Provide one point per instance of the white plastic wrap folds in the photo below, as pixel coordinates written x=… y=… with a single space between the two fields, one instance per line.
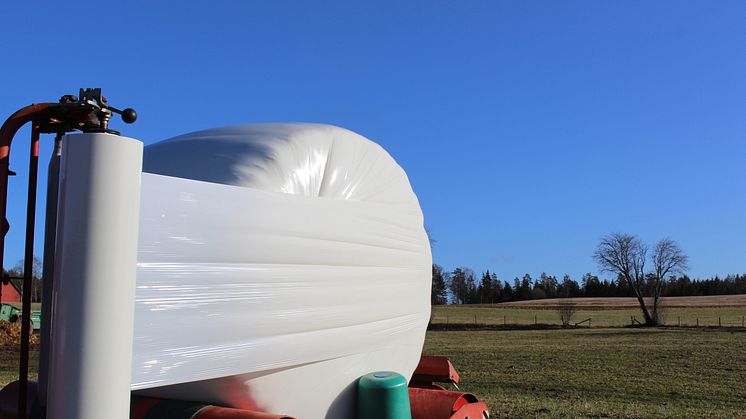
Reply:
x=277 y=263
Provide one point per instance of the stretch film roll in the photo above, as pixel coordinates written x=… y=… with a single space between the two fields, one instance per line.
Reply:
x=94 y=289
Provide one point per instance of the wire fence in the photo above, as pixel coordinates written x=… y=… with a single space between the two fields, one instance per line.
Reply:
x=610 y=318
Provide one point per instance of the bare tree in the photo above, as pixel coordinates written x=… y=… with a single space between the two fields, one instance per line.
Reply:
x=625 y=255
x=36 y=271
x=668 y=259
x=566 y=309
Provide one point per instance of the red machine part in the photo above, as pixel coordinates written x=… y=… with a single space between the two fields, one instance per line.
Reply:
x=153 y=408
x=429 y=400
x=437 y=404
x=214 y=412
x=432 y=369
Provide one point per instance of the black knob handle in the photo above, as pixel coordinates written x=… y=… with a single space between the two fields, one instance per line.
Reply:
x=129 y=115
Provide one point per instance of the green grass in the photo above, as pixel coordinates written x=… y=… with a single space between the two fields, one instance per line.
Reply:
x=9 y=358
x=601 y=372
x=496 y=315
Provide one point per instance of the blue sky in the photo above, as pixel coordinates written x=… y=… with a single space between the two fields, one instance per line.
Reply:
x=528 y=129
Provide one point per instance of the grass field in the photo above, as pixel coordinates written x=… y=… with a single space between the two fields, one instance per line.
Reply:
x=585 y=372
x=727 y=311
x=619 y=372
x=9 y=357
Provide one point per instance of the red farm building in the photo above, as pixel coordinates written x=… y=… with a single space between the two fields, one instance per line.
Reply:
x=9 y=293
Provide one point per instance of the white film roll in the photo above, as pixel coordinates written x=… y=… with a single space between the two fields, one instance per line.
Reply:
x=95 y=268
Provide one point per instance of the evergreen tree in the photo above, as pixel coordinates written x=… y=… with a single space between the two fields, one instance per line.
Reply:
x=438 y=294
x=472 y=296
x=568 y=288
x=497 y=289
x=507 y=294
x=485 y=290
x=524 y=290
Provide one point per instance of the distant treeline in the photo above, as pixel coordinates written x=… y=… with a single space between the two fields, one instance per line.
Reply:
x=461 y=286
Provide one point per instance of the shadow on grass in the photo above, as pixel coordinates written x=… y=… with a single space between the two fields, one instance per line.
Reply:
x=545 y=326
x=481 y=326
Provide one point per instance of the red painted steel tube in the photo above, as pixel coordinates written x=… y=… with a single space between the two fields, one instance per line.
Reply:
x=437 y=404
x=32 y=112
x=476 y=410
x=153 y=408
x=46 y=117
x=28 y=266
x=7 y=132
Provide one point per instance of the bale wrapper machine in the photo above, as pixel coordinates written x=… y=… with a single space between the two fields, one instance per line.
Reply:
x=85 y=363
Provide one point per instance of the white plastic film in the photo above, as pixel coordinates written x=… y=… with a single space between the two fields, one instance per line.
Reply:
x=94 y=288
x=277 y=264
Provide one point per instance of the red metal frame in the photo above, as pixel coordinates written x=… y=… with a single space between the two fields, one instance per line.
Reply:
x=45 y=118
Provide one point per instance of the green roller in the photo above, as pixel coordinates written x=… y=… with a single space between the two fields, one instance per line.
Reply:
x=383 y=395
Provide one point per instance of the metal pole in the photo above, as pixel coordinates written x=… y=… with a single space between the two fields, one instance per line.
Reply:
x=28 y=266
x=50 y=234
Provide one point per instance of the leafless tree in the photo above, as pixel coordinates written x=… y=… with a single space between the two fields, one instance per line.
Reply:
x=668 y=259
x=36 y=270
x=566 y=309
x=625 y=255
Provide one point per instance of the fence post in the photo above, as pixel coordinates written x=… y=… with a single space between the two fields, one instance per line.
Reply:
x=697 y=321
x=535 y=320
x=475 y=320
x=719 y=324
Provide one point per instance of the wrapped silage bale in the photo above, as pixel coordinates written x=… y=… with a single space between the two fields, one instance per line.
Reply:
x=277 y=263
